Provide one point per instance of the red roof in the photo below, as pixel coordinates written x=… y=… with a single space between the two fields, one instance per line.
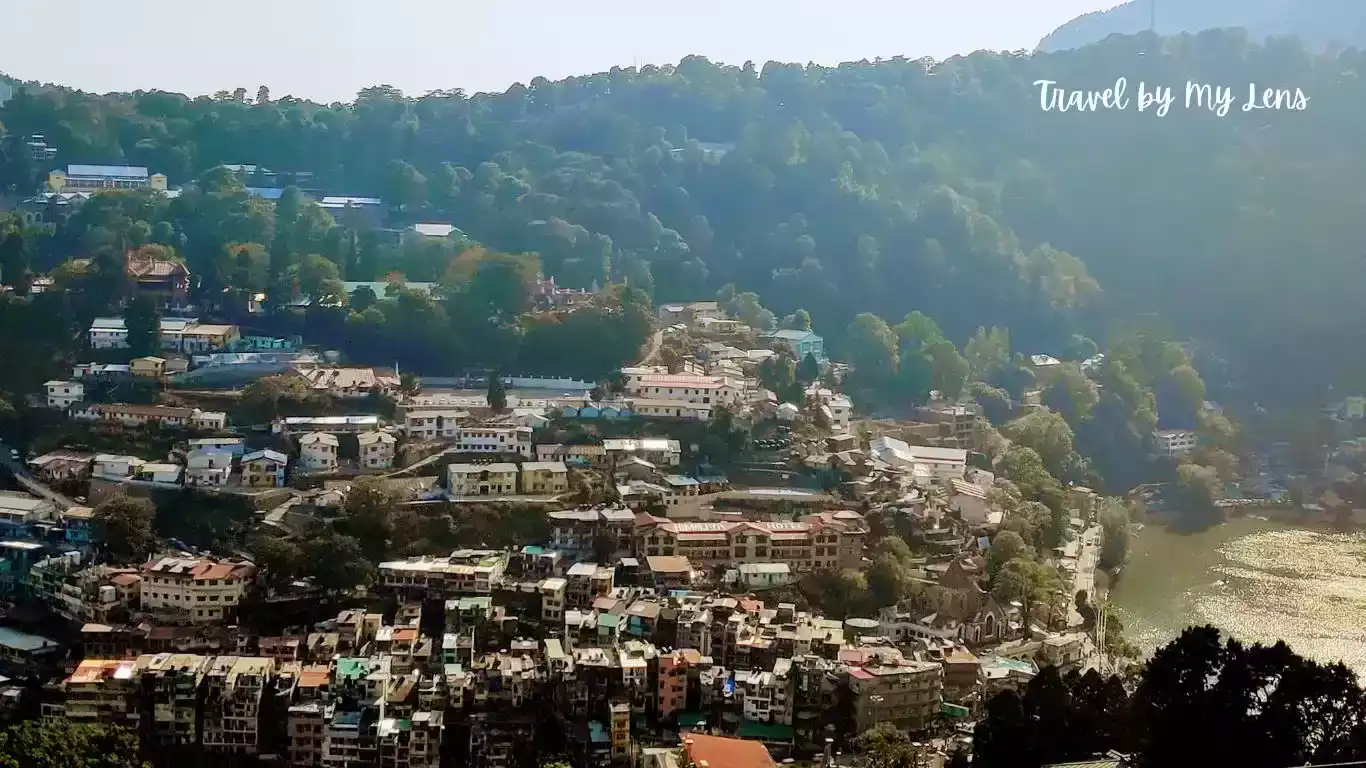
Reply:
x=721 y=752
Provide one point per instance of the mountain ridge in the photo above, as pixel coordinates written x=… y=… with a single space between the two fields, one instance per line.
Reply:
x=1318 y=22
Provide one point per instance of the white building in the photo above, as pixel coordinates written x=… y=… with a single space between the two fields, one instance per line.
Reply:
x=1175 y=442
x=695 y=389
x=434 y=423
x=318 y=450
x=160 y=473
x=762 y=575
x=841 y=412
x=489 y=439
x=114 y=467
x=552 y=601
x=376 y=450
x=656 y=450
x=925 y=463
x=108 y=333
x=208 y=467
x=62 y=394
x=203 y=590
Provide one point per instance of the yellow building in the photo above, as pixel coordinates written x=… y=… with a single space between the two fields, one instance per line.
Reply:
x=264 y=469
x=482 y=479
x=96 y=178
x=150 y=367
x=545 y=477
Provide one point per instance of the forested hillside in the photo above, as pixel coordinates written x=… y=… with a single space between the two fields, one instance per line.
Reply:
x=1317 y=22
x=872 y=187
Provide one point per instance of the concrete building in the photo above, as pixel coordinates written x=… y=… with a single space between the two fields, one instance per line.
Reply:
x=208 y=468
x=908 y=696
x=465 y=480
x=63 y=394
x=464 y=572
x=264 y=469
x=376 y=450
x=97 y=178
x=318 y=451
x=195 y=590
x=234 y=687
x=926 y=463
x=433 y=423
x=1175 y=442
x=171 y=681
x=544 y=477
x=495 y=439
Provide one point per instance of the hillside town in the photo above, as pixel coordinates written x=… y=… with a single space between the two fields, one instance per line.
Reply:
x=663 y=605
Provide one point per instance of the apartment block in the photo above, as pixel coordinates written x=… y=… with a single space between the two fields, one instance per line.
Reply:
x=195 y=590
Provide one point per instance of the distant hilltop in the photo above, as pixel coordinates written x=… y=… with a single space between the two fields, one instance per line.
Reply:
x=1317 y=22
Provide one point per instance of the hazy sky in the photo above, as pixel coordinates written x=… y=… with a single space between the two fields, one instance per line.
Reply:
x=329 y=50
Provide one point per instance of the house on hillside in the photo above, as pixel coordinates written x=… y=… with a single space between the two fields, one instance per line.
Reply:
x=799 y=343
x=264 y=469
x=318 y=451
x=376 y=449
x=98 y=178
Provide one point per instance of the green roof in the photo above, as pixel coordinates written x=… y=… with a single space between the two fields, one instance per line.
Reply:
x=690 y=719
x=348 y=668
x=764 y=731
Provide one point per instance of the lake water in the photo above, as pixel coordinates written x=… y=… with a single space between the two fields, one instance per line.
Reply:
x=1256 y=579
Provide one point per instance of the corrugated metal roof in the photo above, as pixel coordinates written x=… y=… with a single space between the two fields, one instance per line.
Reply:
x=107 y=171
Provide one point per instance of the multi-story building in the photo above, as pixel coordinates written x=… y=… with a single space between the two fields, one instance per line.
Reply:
x=176 y=334
x=96 y=178
x=694 y=389
x=927 y=464
x=131 y=415
x=799 y=343
x=544 y=477
x=264 y=469
x=196 y=590
x=208 y=468
x=318 y=451
x=101 y=692
x=907 y=695
x=576 y=530
x=234 y=687
x=481 y=479
x=587 y=581
x=811 y=544
x=64 y=394
x=376 y=450
x=171 y=682
x=464 y=572
x=495 y=440
x=439 y=423
x=658 y=451
x=553 y=600
x=1175 y=442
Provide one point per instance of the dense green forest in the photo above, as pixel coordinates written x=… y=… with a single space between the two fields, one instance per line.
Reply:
x=871 y=187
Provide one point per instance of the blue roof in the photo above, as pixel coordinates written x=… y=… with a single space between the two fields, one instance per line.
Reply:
x=107 y=171
x=265 y=193
x=23 y=641
x=680 y=480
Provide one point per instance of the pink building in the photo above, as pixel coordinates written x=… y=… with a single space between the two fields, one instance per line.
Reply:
x=673 y=679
